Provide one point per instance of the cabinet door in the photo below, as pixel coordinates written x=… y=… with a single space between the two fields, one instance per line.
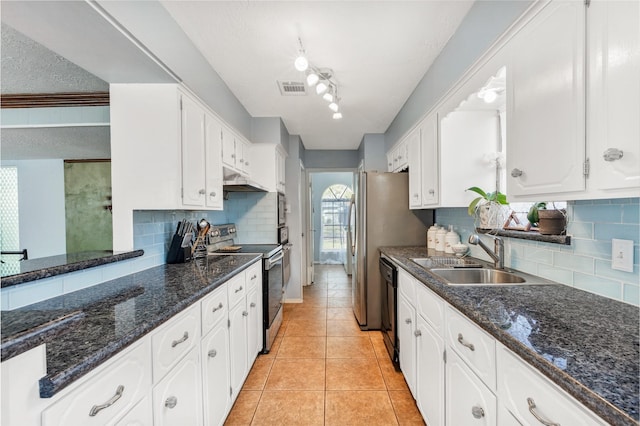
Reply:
x=193 y=159
x=429 y=161
x=429 y=373
x=403 y=154
x=254 y=323
x=280 y=170
x=546 y=103
x=407 y=342
x=415 y=175
x=228 y=148
x=468 y=400
x=177 y=399
x=213 y=156
x=215 y=375
x=614 y=93
x=243 y=154
x=238 y=347
x=390 y=161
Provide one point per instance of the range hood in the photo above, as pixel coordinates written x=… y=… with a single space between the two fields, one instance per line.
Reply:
x=235 y=182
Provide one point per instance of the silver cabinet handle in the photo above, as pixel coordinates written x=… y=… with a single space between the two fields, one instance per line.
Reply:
x=97 y=408
x=202 y=192
x=431 y=192
x=532 y=410
x=180 y=340
x=212 y=353
x=408 y=320
x=252 y=304
x=516 y=173
x=245 y=313
x=477 y=412
x=171 y=402
x=415 y=195
x=246 y=163
x=217 y=308
x=233 y=156
x=212 y=194
x=463 y=343
x=613 y=154
x=417 y=333
x=254 y=277
x=239 y=289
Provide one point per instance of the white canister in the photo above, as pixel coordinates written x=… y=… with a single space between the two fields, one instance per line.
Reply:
x=440 y=237
x=431 y=236
x=450 y=239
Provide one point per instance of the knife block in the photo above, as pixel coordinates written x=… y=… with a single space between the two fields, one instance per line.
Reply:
x=177 y=253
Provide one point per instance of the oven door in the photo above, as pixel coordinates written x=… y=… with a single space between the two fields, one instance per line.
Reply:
x=273 y=283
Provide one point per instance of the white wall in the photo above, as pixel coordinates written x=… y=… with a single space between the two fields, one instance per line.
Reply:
x=41 y=204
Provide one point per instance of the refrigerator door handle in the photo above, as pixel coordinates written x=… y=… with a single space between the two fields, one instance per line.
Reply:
x=352 y=232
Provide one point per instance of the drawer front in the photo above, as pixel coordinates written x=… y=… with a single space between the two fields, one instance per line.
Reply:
x=519 y=385
x=474 y=346
x=173 y=340
x=431 y=308
x=107 y=395
x=236 y=290
x=254 y=276
x=214 y=308
x=407 y=285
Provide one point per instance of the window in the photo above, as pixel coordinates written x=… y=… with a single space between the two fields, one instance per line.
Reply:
x=9 y=226
x=334 y=214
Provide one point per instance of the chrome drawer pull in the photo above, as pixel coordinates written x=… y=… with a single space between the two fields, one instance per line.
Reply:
x=516 y=173
x=532 y=408
x=97 y=408
x=463 y=343
x=217 y=308
x=477 y=412
x=613 y=154
x=212 y=353
x=239 y=289
x=182 y=339
x=171 y=402
x=245 y=313
x=408 y=320
x=202 y=192
x=252 y=304
x=254 y=277
x=417 y=333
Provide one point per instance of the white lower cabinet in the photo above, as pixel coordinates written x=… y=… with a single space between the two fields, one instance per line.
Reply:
x=407 y=341
x=103 y=399
x=238 y=347
x=468 y=400
x=430 y=373
x=177 y=399
x=215 y=374
x=140 y=415
x=533 y=399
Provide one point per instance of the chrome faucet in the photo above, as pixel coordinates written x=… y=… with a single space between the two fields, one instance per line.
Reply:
x=497 y=255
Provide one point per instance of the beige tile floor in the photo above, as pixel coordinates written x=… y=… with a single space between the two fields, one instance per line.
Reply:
x=322 y=370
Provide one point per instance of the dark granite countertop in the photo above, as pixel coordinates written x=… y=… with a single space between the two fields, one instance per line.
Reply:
x=109 y=317
x=586 y=344
x=45 y=267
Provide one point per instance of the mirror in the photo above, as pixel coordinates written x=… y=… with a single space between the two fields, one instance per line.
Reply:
x=56 y=174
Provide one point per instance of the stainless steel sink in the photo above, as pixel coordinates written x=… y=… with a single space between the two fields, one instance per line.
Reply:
x=478 y=276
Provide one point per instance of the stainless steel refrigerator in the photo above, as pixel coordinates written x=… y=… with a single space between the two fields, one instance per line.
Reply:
x=379 y=216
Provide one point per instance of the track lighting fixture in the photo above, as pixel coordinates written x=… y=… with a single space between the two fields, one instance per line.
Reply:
x=320 y=78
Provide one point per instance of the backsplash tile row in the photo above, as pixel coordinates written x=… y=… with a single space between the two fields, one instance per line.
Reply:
x=586 y=263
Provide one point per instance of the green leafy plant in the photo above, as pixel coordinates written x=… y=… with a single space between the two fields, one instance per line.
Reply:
x=532 y=216
x=485 y=197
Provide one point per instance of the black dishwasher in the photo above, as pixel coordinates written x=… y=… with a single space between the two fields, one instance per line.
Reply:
x=389 y=277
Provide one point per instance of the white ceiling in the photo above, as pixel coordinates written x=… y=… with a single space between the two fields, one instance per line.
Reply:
x=378 y=50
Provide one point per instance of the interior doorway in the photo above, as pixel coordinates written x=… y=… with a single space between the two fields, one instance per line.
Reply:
x=329 y=199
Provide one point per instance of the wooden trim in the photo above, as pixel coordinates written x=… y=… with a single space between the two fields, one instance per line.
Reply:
x=43 y=100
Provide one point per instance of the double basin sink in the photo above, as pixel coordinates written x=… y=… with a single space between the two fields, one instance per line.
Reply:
x=474 y=273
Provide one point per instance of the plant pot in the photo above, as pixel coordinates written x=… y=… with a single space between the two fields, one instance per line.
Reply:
x=552 y=222
x=489 y=216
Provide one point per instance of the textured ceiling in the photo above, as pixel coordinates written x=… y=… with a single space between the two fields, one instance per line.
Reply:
x=76 y=143
x=378 y=50
x=29 y=67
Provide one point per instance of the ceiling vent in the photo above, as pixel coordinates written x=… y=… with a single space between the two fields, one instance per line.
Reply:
x=292 y=88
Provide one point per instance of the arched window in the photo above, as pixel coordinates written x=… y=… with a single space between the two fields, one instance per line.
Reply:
x=335 y=210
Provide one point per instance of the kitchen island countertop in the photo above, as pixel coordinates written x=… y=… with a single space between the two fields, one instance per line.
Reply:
x=585 y=343
x=87 y=327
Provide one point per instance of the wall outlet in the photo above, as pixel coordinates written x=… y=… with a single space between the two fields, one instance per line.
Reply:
x=622 y=255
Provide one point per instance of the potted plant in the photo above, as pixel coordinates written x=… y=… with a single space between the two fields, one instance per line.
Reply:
x=487 y=208
x=549 y=221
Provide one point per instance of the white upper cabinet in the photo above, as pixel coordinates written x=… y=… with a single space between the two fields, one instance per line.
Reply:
x=546 y=103
x=213 y=162
x=398 y=156
x=193 y=149
x=270 y=170
x=429 y=162
x=415 y=169
x=613 y=111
